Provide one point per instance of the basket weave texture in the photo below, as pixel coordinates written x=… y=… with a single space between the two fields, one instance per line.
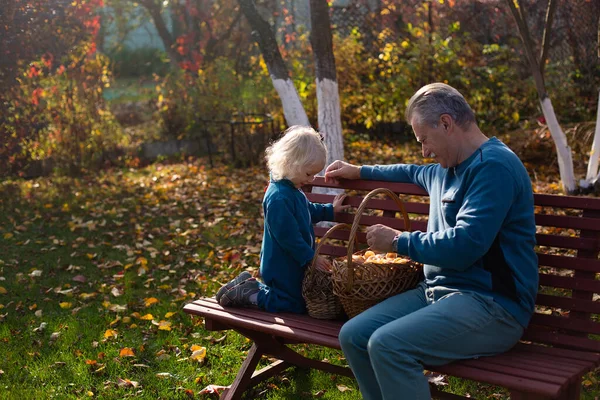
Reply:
x=361 y=285
x=317 y=287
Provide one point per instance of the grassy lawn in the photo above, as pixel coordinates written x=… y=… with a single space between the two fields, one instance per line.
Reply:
x=94 y=272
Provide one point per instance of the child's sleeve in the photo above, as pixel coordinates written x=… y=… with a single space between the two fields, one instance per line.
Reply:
x=320 y=212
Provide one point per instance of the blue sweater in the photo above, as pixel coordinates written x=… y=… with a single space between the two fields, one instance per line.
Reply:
x=481 y=230
x=288 y=245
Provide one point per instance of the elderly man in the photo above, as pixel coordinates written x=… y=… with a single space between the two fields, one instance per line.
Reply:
x=480 y=267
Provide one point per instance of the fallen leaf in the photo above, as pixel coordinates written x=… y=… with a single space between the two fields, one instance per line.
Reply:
x=343 y=388
x=198 y=354
x=150 y=301
x=127 y=383
x=126 y=352
x=213 y=389
x=110 y=333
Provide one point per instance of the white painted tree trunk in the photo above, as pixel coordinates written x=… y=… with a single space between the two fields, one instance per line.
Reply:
x=565 y=160
x=592 y=171
x=330 y=121
x=292 y=106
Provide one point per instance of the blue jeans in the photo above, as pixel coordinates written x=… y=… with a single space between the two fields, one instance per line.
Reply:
x=388 y=344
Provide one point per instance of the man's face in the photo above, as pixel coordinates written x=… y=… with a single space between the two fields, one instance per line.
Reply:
x=434 y=141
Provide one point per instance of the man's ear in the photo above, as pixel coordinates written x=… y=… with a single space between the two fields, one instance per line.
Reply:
x=446 y=122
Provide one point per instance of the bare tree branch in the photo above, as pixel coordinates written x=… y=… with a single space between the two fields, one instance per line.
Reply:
x=520 y=18
x=161 y=27
x=550 y=11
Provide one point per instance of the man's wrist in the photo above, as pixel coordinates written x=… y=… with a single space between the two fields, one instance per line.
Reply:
x=395 y=243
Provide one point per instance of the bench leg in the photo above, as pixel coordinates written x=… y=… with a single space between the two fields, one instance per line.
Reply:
x=277 y=349
x=244 y=376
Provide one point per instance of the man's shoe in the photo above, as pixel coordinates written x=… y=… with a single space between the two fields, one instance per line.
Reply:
x=240 y=294
x=236 y=281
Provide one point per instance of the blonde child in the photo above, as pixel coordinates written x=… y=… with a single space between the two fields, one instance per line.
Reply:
x=288 y=241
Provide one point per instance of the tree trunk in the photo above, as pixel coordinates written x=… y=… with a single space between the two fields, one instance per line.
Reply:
x=330 y=121
x=592 y=171
x=161 y=27
x=563 y=151
x=263 y=34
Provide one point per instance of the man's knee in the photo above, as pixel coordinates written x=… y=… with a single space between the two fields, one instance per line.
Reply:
x=352 y=336
x=383 y=345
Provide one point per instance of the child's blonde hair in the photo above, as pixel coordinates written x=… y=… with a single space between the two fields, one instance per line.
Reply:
x=300 y=147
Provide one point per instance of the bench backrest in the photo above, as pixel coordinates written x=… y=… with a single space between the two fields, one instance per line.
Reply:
x=568 y=244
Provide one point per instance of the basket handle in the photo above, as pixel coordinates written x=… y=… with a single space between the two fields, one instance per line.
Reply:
x=355 y=226
x=327 y=234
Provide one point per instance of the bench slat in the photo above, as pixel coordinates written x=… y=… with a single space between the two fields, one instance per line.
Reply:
x=542 y=334
x=568 y=303
x=565 y=282
x=568 y=202
x=567 y=242
x=495 y=378
x=521 y=368
x=405 y=188
x=568 y=262
x=265 y=322
x=373 y=204
x=564 y=221
x=571 y=324
x=564 y=353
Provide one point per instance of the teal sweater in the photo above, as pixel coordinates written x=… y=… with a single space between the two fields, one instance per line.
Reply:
x=481 y=230
x=288 y=245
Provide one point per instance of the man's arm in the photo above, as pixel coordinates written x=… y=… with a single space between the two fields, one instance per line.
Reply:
x=478 y=222
x=407 y=173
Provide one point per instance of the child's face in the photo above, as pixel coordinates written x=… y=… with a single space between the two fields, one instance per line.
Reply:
x=307 y=174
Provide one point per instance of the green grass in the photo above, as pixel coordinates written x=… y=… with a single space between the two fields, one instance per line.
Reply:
x=83 y=257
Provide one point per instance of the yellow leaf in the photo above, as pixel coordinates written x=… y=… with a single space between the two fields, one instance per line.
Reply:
x=150 y=300
x=110 y=333
x=142 y=260
x=8 y=235
x=147 y=317
x=169 y=314
x=126 y=352
x=164 y=326
x=2 y=290
x=199 y=354
x=65 y=304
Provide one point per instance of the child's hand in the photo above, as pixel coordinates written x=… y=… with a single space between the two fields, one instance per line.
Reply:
x=323 y=264
x=337 y=203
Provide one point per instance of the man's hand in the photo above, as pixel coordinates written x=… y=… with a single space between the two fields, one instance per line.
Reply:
x=341 y=169
x=323 y=264
x=380 y=237
x=337 y=202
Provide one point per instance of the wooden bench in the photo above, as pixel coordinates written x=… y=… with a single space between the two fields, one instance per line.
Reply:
x=561 y=344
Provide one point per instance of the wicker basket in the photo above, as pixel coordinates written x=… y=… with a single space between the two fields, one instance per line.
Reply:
x=362 y=285
x=317 y=287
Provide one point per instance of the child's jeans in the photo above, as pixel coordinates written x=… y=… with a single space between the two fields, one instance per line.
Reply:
x=388 y=344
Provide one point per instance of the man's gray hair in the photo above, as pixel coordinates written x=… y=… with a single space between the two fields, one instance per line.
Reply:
x=435 y=99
